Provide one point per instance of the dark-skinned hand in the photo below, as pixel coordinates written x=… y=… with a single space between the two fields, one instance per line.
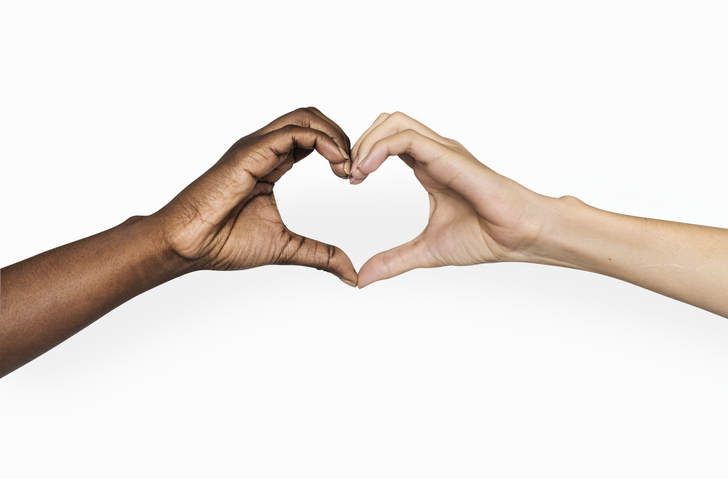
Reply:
x=228 y=218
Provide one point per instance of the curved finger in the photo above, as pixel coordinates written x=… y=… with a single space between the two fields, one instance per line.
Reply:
x=342 y=170
x=311 y=117
x=377 y=122
x=395 y=261
x=400 y=144
x=392 y=124
x=272 y=146
x=442 y=163
x=317 y=112
x=307 y=252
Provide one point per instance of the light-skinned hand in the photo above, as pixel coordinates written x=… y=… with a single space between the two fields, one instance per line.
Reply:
x=476 y=215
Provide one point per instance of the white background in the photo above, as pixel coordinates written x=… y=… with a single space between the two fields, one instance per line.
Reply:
x=506 y=370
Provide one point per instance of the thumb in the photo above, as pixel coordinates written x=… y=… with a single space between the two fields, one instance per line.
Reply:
x=396 y=261
x=304 y=251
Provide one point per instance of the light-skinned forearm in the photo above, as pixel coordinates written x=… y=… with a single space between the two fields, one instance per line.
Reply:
x=683 y=261
x=48 y=298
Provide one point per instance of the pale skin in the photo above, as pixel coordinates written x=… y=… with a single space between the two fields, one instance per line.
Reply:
x=228 y=220
x=478 y=216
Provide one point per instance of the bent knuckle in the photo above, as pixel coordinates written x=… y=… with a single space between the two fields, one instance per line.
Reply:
x=302 y=116
x=289 y=129
x=409 y=133
x=387 y=263
x=398 y=116
x=410 y=137
x=453 y=143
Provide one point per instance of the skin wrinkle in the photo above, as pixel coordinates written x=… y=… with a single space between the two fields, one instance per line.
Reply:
x=683 y=261
x=386 y=264
x=197 y=214
x=259 y=157
x=52 y=295
x=288 y=240
x=401 y=259
x=298 y=248
x=237 y=217
x=454 y=177
x=513 y=223
x=256 y=196
x=227 y=219
x=307 y=123
x=432 y=253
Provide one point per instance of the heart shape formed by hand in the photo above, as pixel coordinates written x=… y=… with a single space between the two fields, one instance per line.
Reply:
x=228 y=218
x=457 y=232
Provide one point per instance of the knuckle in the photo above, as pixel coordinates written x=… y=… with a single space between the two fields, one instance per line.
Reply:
x=453 y=143
x=289 y=129
x=410 y=136
x=383 y=116
x=387 y=263
x=302 y=116
x=324 y=260
x=409 y=133
x=400 y=118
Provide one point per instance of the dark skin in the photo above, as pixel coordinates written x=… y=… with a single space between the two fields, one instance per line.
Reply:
x=227 y=219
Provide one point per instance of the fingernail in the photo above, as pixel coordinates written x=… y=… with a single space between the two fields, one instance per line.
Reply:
x=356 y=168
x=347 y=282
x=361 y=163
x=343 y=153
x=347 y=170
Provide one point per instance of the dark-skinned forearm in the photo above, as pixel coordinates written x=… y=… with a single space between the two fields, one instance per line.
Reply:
x=48 y=298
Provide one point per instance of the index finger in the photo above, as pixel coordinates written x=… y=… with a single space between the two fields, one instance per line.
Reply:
x=312 y=117
x=442 y=163
x=388 y=125
x=277 y=143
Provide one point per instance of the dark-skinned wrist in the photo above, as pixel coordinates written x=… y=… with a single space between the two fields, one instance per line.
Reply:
x=171 y=264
